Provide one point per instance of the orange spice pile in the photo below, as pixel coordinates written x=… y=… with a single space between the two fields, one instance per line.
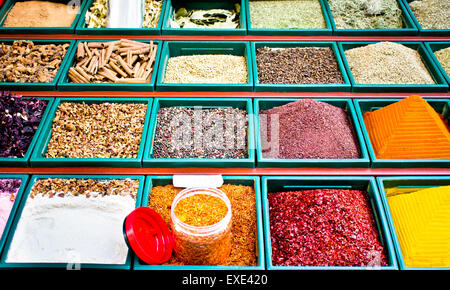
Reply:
x=201 y=210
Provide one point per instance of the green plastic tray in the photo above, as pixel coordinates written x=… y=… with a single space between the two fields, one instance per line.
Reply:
x=442 y=106
x=81 y=28
x=177 y=48
x=242 y=103
x=407 y=181
x=39 y=86
x=362 y=162
x=33 y=179
x=294 y=32
x=439 y=86
x=292 y=183
x=204 y=4
x=24 y=161
x=408 y=24
x=236 y=180
x=64 y=83
x=23 y=184
x=259 y=87
x=38 y=158
x=432 y=47
x=38 y=30
x=422 y=31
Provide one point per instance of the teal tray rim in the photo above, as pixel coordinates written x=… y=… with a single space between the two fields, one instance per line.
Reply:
x=41 y=145
x=148 y=160
x=411 y=28
x=64 y=84
x=166 y=30
x=24 y=161
x=80 y=28
x=260 y=232
x=23 y=184
x=346 y=86
x=7 y=6
x=376 y=160
x=39 y=86
x=439 y=86
x=422 y=31
x=364 y=160
x=32 y=181
x=162 y=86
x=382 y=225
x=291 y=31
x=390 y=221
x=432 y=47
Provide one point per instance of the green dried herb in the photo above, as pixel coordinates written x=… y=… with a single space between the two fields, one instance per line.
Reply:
x=432 y=14
x=290 y=14
x=366 y=14
x=212 y=18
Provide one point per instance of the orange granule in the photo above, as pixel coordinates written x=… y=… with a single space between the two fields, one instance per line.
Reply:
x=408 y=129
x=201 y=210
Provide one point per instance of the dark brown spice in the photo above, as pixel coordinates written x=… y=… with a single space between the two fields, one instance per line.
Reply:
x=297 y=65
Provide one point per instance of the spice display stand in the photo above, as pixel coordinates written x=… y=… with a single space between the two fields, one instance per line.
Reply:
x=374 y=172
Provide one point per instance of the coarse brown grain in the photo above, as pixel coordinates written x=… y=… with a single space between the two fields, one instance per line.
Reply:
x=297 y=65
x=244 y=223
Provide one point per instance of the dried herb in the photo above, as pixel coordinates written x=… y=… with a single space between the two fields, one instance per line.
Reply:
x=443 y=57
x=211 y=18
x=19 y=120
x=366 y=14
x=432 y=14
x=324 y=227
x=287 y=14
x=297 y=65
x=387 y=63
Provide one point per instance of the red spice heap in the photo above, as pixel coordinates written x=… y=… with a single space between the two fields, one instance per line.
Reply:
x=324 y=227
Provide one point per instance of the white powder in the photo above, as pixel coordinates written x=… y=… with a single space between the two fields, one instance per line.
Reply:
x=72 y=229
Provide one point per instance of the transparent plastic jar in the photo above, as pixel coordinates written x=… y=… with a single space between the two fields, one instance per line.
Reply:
x=202 y=245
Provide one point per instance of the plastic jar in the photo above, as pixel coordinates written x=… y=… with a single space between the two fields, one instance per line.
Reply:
x=202 y=245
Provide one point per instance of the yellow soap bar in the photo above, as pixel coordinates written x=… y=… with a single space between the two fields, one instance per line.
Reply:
x=422 y=223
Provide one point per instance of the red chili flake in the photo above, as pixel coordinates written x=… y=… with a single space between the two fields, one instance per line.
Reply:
x=324 y=227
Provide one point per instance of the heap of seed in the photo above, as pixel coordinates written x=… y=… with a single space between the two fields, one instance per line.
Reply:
x=432 y=14
x=443 y=57
x=387 y=63
x=89 y=187
x=296 y=14
x=324 y=227
x=297 y=65
x=244 y=227
x=307 y=129
x=106 y=130
x=207 y=68
x=201 y=133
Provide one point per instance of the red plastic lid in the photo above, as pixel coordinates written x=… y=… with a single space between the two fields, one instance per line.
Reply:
x=148 y=236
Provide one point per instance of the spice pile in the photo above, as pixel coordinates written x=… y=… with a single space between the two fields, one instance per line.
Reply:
x=41 y=14
x=201 y=210
x=297 y=65
x=207 y=68
x=443 y=56
x=211 y=18
x=120 y=61
x=322 y=130
x=366 y=14
x=8 y=192
x=421 y=222
x=26 y=62
x=19 y=120
x=324 y=227
x=201 y=133
x=408 y=129
x=74 y=221
x=387 y=63
x=106 y=130
x=432 y=14
x=244 y=227
x=288 y=14
x=97 y=15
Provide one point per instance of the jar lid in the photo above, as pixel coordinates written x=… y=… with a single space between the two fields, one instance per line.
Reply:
x=148 y=236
